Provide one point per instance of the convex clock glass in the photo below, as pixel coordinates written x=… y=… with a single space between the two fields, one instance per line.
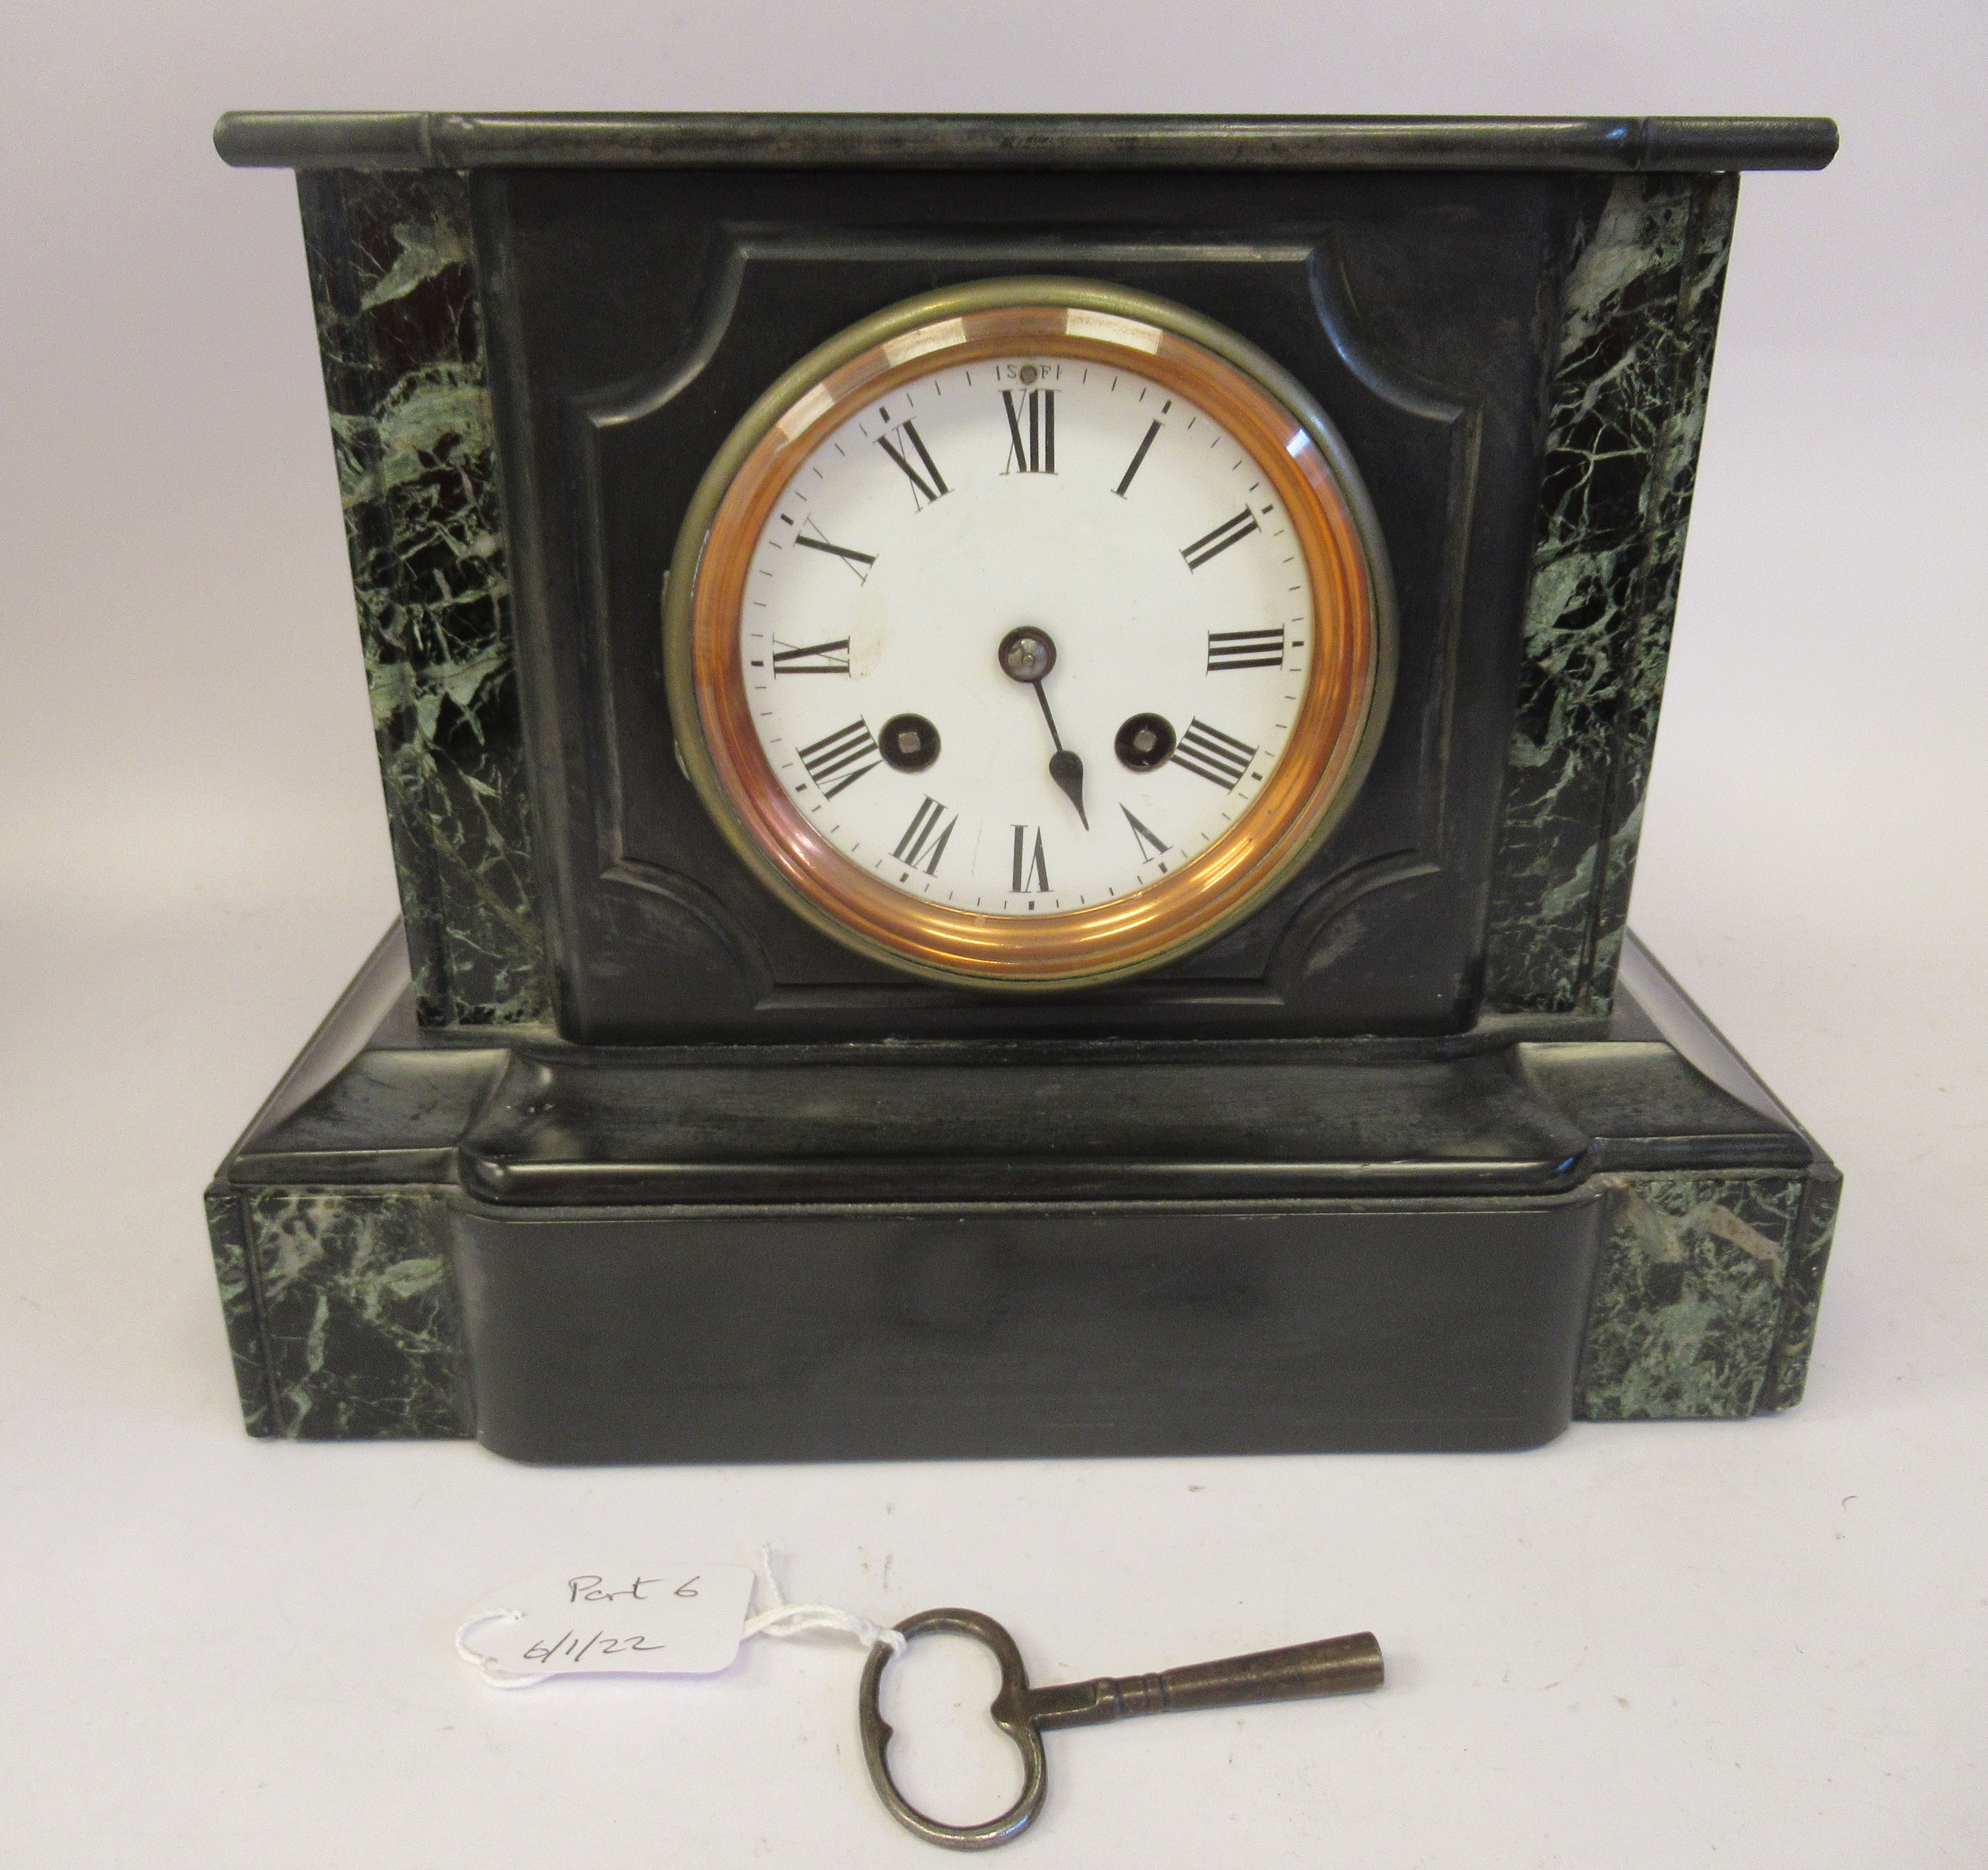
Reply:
x=1028 y=633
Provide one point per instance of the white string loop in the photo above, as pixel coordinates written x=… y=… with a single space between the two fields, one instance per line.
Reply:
x=488 y=1670
x=783 y=1619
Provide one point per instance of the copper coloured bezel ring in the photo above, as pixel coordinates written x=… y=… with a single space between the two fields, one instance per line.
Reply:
x=1332 y=741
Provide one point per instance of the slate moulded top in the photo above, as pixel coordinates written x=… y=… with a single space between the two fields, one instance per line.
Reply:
x=445 y=140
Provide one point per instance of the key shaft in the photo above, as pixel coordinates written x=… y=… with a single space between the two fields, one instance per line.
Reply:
x=1338 y=1665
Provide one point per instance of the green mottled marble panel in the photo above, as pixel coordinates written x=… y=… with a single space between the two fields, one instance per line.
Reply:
x=1626 y=401
x=229 y=1239
x=1687 y=1312
x=1803 y=1299
x=360 y=1317
x=393 y=281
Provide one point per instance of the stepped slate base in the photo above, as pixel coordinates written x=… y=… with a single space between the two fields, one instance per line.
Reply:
x=932 y=1248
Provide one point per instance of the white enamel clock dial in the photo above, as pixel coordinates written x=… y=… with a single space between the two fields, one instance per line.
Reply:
x=1127 y=529
x=1031 y=643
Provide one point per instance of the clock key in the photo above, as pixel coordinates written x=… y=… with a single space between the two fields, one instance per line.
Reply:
x=1337 y=1665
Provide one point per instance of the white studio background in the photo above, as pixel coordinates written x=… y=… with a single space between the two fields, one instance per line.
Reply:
x=1759 y=1644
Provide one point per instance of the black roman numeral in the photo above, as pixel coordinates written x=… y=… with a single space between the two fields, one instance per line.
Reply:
x=1245 y=649
x=1210 y=754
x=1137 y=459
x=1030 y=873
x=815 y=659
x=1224 y=535
x=926 y=487
x=1037 y=454
x=857 y=562
x=837 y=761
x=924 y=843
x=1150 y=842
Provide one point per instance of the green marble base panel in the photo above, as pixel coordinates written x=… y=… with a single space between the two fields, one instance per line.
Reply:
x=342 y=1311
x=1705 y=1301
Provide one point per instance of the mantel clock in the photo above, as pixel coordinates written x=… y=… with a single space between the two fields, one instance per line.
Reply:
x=1014 y=749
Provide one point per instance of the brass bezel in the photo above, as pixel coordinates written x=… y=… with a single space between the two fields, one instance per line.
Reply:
x=1332 y=743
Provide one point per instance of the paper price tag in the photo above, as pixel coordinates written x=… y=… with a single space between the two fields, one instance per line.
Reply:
x=663 y=1619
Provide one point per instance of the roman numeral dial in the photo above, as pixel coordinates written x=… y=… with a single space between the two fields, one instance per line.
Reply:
x=1109 y=525
x=1024 y=635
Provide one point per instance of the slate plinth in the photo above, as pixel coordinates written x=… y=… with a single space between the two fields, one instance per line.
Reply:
x=714 y=1253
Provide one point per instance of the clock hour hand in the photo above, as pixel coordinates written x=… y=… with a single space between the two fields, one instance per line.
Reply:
x=1066 y=768
x=1027 y=655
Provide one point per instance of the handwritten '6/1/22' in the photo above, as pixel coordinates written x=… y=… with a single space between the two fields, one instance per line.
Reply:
x=600 y=1643
x=590 y=1588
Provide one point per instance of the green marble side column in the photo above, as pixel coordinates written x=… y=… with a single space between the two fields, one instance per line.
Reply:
x=1626 y=406
x=393 y=281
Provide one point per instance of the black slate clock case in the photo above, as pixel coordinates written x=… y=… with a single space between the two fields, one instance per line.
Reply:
x=641 y=315
x=608 y=1155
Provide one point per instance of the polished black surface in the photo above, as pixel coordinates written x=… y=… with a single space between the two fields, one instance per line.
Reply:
x=451 y=140
x=536 y=1121
x=653 y=1335
x=583 y=1130
x=1414 y=307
